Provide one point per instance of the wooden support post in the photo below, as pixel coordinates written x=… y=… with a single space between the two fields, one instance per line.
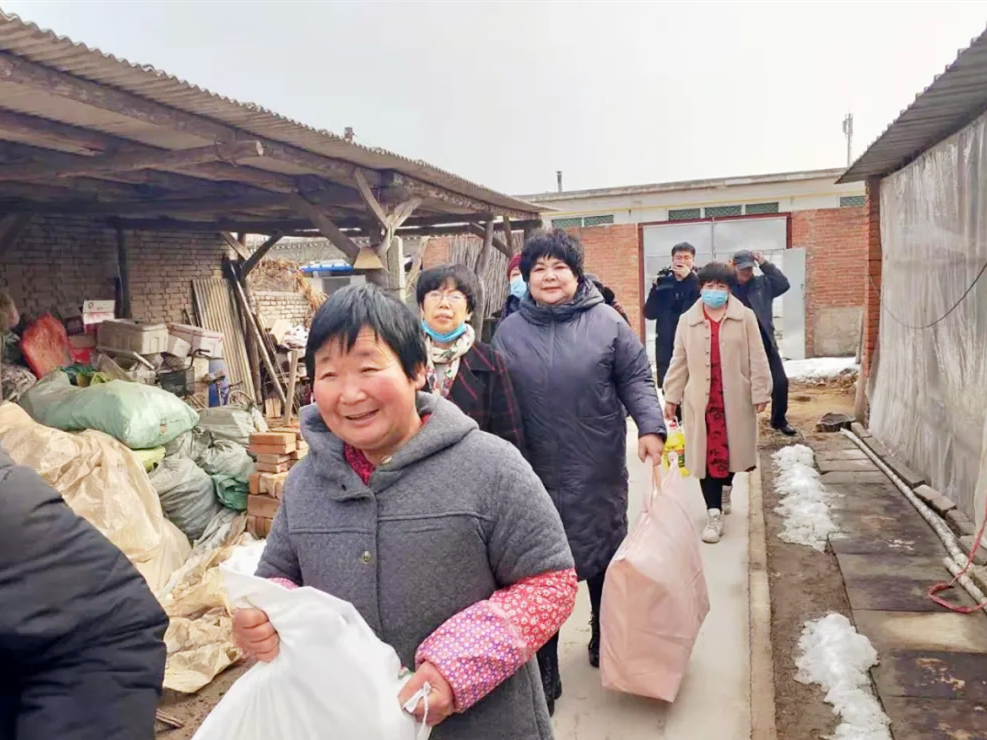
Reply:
x=508 y=238
x=292 y=381
x=327 y=228
x=260 y=253
x=395 y=268
x=497 y=242
x=481 y=268
x=233 y=243
x=124 y=273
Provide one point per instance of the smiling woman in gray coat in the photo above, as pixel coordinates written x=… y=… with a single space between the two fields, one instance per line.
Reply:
x=576 y=366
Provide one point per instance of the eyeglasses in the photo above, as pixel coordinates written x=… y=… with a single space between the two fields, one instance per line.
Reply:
x=455 y=298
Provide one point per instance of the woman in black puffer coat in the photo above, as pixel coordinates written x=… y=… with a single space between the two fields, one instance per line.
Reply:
x=82 y=654
x=576 y=365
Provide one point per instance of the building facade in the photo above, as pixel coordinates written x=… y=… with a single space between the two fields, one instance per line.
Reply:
x=813 y=228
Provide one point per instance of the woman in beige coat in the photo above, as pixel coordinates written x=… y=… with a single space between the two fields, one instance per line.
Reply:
x=719 y=374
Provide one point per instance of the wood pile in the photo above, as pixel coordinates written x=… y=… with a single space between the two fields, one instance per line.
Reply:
x=275 y=453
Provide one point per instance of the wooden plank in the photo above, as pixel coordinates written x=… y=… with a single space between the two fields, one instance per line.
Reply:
x=452 y=200
x=260 y=253
x=127 y=161
x=481 y=264
x=255 y=331
x=262 y=506
x=328 y=229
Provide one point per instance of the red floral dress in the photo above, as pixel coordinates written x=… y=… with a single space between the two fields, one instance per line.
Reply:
x=717 y=450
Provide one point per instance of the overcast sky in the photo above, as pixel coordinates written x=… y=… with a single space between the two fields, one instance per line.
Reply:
x=506 y=93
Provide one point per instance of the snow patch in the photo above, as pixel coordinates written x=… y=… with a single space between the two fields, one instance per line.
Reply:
x=818 y=368
x=835 y=656
x=805 y=501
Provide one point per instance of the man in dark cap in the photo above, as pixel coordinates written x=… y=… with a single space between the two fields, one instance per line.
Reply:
x=757 y=292
x=675 y=291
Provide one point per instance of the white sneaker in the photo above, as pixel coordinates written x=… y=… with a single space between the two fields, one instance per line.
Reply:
x=727 y=505
x=714 y=527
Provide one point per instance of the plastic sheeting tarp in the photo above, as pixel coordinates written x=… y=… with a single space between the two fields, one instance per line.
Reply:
x=140 y=416
x=929 y=391
x=104 y=483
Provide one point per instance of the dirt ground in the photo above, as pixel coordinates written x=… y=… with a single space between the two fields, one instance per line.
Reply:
x=192 y=710
x=805 y=584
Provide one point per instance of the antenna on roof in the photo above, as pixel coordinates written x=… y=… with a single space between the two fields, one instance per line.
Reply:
x=558 y=178
x=848 y=132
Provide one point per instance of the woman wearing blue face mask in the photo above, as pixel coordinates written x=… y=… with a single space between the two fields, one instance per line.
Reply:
x=516 y=288
x=461 y=369
x=720 y=376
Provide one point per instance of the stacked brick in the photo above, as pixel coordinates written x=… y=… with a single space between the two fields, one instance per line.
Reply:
x=275 y=452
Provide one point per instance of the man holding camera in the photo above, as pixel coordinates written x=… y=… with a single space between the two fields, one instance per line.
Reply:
x=674 y=292
x=757 y=292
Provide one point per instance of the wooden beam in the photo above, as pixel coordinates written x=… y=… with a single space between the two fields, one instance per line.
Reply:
x=11 y=227
x=158 y=206
x=234 y=244
x=328 y=229
x=124 y=273
x=497 y=242
x=260 y=253
x=81 y=138
x=429 y=192
x=128 y=161
x=290 y=227
x=371 y=200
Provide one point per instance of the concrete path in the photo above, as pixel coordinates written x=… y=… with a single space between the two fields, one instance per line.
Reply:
x=714 y=701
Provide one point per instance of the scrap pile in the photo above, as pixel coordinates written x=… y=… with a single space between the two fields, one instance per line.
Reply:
x=276 y=452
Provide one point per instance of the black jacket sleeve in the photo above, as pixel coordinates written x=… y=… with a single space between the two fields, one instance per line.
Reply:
x=79 y=625
x=777 y=282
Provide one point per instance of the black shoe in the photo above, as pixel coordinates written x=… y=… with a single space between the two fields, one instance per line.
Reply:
x=594 y=643
x=788 y=430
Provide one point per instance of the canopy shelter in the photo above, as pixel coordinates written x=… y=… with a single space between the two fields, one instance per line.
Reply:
x=84 y=133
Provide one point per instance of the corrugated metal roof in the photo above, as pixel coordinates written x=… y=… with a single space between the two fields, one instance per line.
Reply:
x=720 y=182
x=954 y=99
x=41 y=46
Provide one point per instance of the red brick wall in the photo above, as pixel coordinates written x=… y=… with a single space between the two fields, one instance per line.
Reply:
x=835 y=240
x=872 y=282
x=612 y=254
x=61 y=261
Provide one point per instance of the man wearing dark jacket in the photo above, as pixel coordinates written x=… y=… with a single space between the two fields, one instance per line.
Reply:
x=81 y=635
x=674 y=292
x=757 y=292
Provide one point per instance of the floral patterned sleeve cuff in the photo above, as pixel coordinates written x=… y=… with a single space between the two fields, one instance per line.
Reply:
x=484 y=645
x=284 y=582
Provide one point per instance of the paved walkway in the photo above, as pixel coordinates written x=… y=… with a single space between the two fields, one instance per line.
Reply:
x=714 y=701
x=931 y=673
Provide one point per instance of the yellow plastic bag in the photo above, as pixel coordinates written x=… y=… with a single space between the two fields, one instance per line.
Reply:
x=675 y=443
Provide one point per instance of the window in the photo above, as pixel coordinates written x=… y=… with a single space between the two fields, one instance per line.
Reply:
x=723 y=211
x=852 y=201
x=685 y=214
x=575 y=223
x=754 y=209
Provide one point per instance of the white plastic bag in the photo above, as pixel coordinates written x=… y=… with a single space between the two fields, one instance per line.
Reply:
x=333 y=678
